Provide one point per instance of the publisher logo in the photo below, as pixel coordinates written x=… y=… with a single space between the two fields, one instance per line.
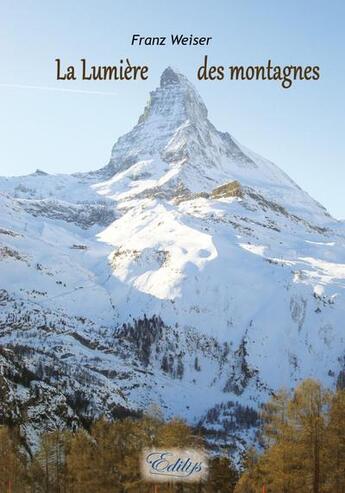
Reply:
x=161 y=465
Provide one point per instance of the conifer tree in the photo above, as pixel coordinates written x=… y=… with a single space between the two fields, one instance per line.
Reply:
x=250 y=479
x=335 y=445
x=12 y=462
x=307 y=412
x=294 y=435
x=48 y=466
x=222 y=476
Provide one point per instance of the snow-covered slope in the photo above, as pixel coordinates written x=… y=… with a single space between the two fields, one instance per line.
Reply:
x=189 y=272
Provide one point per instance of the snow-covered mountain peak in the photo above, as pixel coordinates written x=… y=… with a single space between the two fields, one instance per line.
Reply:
x=171 y=76
x=175 y=99
x=175 y=151
x=173 y=109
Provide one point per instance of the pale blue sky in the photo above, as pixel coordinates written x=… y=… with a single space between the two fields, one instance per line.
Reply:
x=301 y=129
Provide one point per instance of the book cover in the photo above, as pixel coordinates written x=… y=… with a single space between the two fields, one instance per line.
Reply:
x=172 y=262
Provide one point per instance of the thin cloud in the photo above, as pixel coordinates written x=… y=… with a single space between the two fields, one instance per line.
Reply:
x=57 y=89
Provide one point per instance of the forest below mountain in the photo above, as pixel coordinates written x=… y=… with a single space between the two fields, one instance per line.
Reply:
x=300 y=447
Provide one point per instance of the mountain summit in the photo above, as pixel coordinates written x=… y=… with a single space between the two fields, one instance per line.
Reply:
x=172 y=77
x=174 y=130
x=173 y=106
x=189 y=272
x=175 y=98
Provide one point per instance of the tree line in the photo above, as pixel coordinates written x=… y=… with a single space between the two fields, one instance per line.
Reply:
x=303 y=443
x=104 y=459
x=300 y=447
